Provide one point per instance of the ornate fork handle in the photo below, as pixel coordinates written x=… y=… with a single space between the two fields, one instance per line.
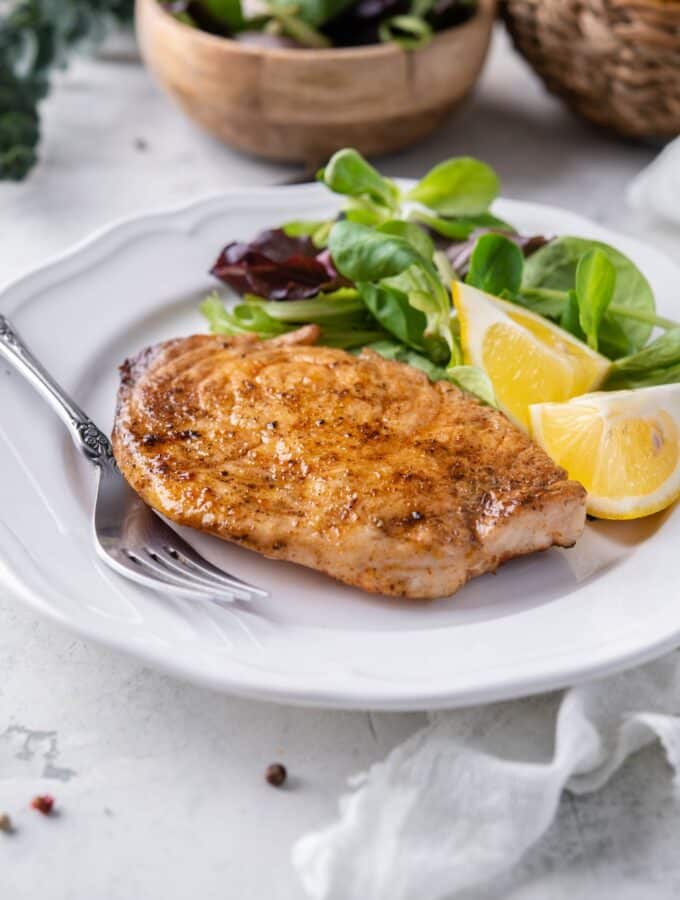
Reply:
x=92 y=442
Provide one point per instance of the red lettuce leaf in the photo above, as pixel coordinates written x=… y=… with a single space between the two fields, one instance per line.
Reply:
x=278 y=267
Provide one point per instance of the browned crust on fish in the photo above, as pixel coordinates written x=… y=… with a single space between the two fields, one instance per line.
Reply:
x=357 y=466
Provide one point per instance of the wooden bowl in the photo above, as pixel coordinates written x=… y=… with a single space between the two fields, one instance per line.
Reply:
x=302 y=105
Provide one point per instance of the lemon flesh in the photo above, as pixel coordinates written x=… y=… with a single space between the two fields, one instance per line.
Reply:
x=528 y=359
x=623 y=446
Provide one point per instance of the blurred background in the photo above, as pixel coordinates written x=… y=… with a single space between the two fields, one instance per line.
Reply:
x=91 y=136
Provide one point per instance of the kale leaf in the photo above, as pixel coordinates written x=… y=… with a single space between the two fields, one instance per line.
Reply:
x=36 y=37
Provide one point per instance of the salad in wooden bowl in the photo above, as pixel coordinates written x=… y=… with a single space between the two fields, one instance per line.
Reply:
x=302 y=103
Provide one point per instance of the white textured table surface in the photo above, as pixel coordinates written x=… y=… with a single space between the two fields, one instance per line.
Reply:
x=159 y=784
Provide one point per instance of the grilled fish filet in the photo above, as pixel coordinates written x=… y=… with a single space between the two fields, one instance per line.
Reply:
x=356 y=466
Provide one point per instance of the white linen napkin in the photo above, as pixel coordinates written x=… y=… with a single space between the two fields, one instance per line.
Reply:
x=656 y=190
x=464 y=798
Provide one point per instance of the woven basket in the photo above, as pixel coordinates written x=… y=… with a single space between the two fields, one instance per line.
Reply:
x=616 y=62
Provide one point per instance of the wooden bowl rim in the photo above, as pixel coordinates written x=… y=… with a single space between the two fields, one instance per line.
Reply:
x=367 y=51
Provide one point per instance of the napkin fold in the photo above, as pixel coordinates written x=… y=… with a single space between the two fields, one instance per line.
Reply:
x=656 y=190
x=464 y=798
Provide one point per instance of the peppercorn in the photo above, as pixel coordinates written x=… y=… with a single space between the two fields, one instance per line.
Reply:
x=43 y=803
x=276 y=774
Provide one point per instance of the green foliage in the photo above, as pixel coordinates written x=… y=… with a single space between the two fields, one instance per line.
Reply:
x=314 y=12
x=348 y=173
x=323 y=23
x=457 y=194
x=474 y=381
x=317 y=230
x=227 y=12
x=461 y=227
x=246 y=318
x=37 y=36
x=341 y=305
x=457 y=187
x=595 y=285
x=417 y=237
x=367 y=255
x=341 y=316
x=657 y=363
x=469 y=378
x=553 y=268
x=393 y=310
x=409 y=32
x=569 y=318
x=496 y=266
x=400 y=294
x=361 y=253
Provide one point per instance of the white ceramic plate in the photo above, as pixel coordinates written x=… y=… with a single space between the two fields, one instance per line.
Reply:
x=544 y=621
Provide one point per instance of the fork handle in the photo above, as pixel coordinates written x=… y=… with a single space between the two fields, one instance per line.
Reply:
x=92 y=442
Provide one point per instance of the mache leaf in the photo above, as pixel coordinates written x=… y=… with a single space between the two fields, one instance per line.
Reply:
x=570 y=319
x=595 y=285
x=461 y=227
x=361 y=253
x=394 y=312
x=316 y=230
x=347 y=172
x=462 y=186
x=468 y=378
x=554 y=267
x=496 y=266
x=474 y=381
x=414 y=234
x=657 y=363
x=460 y=253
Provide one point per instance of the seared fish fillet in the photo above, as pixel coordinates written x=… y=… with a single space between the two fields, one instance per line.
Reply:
x=356 y=466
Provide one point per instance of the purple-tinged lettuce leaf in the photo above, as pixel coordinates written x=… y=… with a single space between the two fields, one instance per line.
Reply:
x=278 y=267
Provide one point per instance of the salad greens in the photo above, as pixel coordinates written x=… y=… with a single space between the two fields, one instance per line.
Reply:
x=380 y=274
x=454 y=197
x=457 y=187
x=551 y=272
x=595 y=283
x=657 y=363
x=386 y=266
x=587 y=287
x=228 y=12
x=324 y=23
x=469 y=378
x=496 y=266
x=342 y=317
x=367 y=254
x=349 y=173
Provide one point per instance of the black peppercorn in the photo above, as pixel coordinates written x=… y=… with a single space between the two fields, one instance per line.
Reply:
x=276 y=774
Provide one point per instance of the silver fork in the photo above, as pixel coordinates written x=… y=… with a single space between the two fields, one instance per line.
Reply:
x=128 y=535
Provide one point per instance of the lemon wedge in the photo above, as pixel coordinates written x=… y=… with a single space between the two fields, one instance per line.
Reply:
x=623 y=446
x=528 y=359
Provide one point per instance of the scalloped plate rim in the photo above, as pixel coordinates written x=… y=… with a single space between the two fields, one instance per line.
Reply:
x=621 y=651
